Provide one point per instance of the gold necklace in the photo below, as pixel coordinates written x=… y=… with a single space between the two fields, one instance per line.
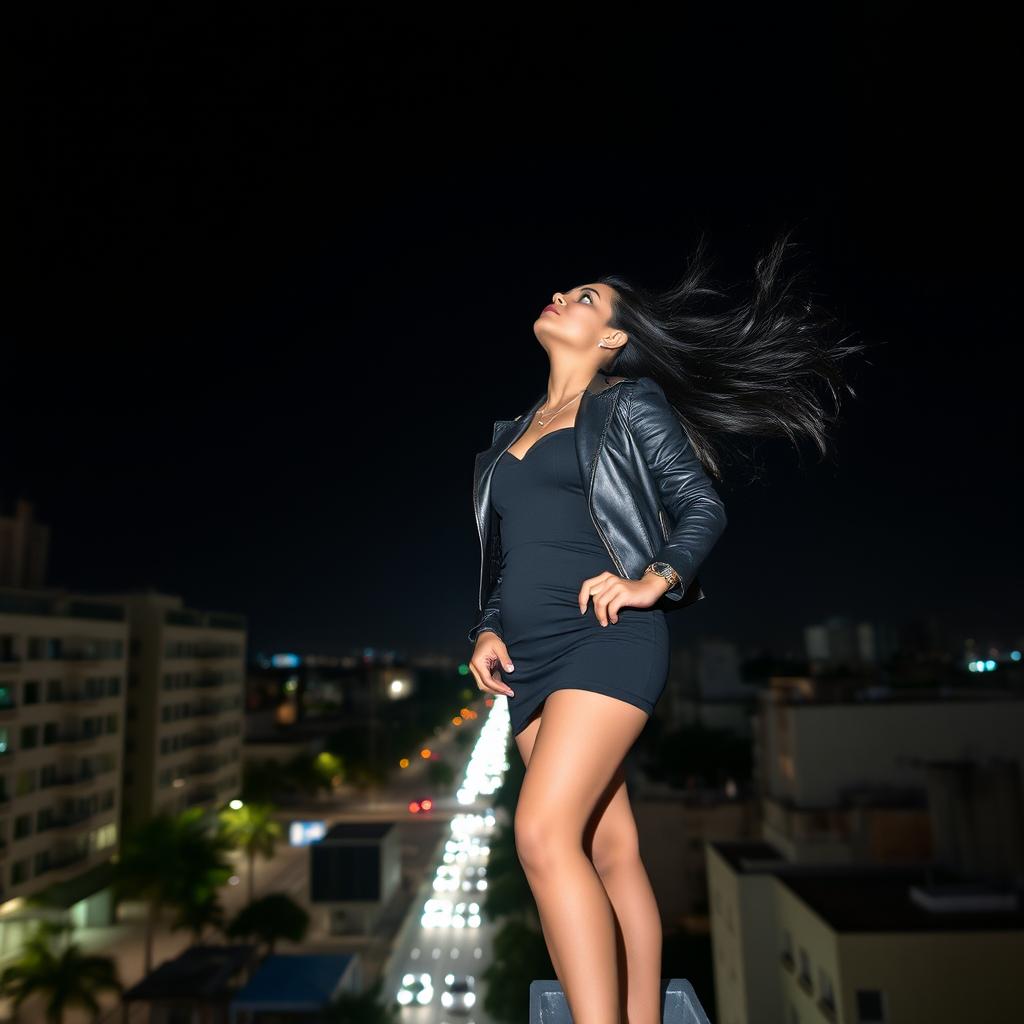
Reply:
x=544 y=422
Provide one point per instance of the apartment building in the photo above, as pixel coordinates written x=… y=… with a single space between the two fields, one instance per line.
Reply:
x=185 y=706
x=63 y=666
x=844 y=778
x=848 y=944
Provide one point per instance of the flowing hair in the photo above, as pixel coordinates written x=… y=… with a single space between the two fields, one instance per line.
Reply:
x=752 y=368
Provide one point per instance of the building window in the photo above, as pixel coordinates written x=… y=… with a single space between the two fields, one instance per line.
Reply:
x=30 y=692
x=870 y=1006
x=787 y=949
x=29 y=737
x=805 y=972
x=826 y=996
x=8 y=647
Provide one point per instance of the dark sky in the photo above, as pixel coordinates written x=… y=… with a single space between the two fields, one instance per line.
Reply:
x=269 y=280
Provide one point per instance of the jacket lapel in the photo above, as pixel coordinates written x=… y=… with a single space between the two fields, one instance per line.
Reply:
x=592 y=420
x=506 y=433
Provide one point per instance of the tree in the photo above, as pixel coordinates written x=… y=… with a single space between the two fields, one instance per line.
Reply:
x=520 y=956
x=274 y=917
x=171 y=861
x=65 y=980
x=251 y=828
x=199 y=914
x=361 y=1009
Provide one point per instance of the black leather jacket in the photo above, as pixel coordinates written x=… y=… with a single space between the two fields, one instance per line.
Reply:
x=649 y=496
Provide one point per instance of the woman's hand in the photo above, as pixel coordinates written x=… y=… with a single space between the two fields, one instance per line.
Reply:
x=611 y=592
x=489 y=653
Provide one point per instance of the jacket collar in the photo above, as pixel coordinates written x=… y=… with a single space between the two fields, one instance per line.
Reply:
x=602 y=381
x=592 y=419
x=599 y=383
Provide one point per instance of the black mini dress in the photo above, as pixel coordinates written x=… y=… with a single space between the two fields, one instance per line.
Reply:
x=549 y=547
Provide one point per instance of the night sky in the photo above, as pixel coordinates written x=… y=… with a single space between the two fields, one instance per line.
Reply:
x=269 y=280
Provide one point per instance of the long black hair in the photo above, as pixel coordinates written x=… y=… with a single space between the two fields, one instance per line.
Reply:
x=744 y=369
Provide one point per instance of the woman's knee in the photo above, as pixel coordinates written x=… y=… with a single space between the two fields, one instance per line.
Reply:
x=539 y=836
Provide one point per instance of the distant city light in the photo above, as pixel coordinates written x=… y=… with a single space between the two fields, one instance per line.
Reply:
x=302 y=833
x=285 y=660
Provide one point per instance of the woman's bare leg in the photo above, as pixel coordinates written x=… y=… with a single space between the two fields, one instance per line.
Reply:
x=615 y=852
x=611 y=835
x=582 y=740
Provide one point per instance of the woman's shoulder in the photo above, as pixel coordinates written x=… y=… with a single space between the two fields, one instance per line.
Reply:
x=645 y=389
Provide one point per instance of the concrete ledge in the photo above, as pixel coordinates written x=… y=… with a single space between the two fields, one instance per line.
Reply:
x=680 y=1004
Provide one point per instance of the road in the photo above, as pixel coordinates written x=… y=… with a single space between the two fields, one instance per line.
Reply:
x=437 y=951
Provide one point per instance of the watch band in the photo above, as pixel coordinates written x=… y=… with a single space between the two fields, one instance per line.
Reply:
x=664 y=570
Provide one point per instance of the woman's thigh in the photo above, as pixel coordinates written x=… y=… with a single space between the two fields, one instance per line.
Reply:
x=610 y=833
x=574 y=752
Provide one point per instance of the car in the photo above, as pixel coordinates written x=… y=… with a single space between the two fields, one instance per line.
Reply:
x=446 y=878
x=459 y=995
x=437 y=913
x=474 y=878
x=416 y=988
x=466 y=915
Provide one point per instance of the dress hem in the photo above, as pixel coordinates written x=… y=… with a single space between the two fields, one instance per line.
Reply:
x=627 y=696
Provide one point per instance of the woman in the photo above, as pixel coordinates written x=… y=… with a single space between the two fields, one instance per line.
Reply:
x=576 y=576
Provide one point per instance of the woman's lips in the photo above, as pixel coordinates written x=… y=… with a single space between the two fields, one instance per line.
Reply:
x=550 y=309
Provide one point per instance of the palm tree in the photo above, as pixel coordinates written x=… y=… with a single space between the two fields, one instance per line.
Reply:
x=251 y=828
x=199 y=914
x=276 y=916
x=64 y=980
x=347 y=1008
x=171 y=861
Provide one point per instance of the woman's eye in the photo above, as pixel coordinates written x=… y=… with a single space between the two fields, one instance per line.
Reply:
x=586 y=295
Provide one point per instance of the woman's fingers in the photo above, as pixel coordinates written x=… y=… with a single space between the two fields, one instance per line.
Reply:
x=592 y=588
x=606 y=603
x=489 y=654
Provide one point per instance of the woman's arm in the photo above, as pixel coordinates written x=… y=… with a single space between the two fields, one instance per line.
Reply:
x=686 y=490
x=491 y=615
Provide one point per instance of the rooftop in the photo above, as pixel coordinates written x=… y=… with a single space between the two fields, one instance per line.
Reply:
x=293 y=981
x=882 y=897
x=201 y=972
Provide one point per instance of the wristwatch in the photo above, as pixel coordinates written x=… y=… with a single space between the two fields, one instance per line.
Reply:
x=664 y=570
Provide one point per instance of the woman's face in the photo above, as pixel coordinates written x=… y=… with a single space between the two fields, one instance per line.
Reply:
x=579 y=319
